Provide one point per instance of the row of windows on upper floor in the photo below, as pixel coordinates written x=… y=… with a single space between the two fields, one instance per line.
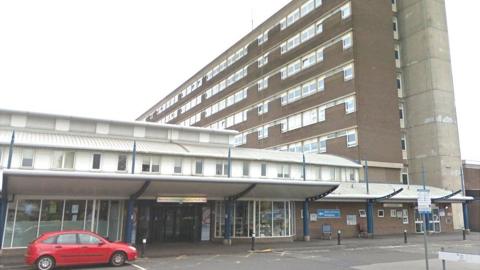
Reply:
x=306 y=34
x=286 y=71
x=293 y=121
x=319 y=144
x=68 y=160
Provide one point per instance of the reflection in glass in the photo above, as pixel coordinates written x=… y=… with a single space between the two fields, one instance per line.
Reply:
x=278 y=218
x=26 y=223
x=74 y=215
x=265 y=210
x=51 y=217
x=9 y=226
x=241 y=219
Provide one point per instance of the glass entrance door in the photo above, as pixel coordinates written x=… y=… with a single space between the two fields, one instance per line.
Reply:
x=174 y=223
x=433 y=224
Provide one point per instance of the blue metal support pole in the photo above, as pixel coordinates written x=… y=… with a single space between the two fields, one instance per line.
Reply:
x=466 y=221
x=306 y=221
x=228 y=222
x=366 y=177
x=131 y=202
x=370 y=218
x=3 y=214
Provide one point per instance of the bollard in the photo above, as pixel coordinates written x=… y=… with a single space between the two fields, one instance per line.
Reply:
x=444 y=267
x=339 y=233
x=253 y=242
x=142 y=251
x=405 y=236
x=464 y=234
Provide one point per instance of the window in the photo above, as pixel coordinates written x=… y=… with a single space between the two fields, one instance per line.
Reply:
x=399 y=82
x=295 y=147
x=293 y=17
x=322 y=145
x=240 y=139
x=405 y=216
x=122 y=163
x=308 y=61
x=63 y=160
x=177 y=166
x=221 y=168
x=97 y=158
x=294 y=94
x=400 y=111
x=263 y=169
x=295 y=122
x=397 y=56
x=198 y=166
x=381 y=213
x=245 y=168
x=263 y=60
x=262 y=38
x=262 y=132
x=283 y=171
x=1 y=155
x=351 y=138
x=320 y=55
x=347 y=41
x=307 y=7
x=395 y=28
x=27 y=158
x=310 y=117
x=262 y=108
x=310 y=146
x=309 y=88
x=294 y=68
x=87 y=239
x=394 y=5
x=67 y=239
x=348 y=73
x=404 y=142
x=349 y=105
x=283 y=23
x=321 y=114
x=405 y=177
x=146 y=164
x=262 y=83
x=346 y=11
x=393 y=213
x=318 y=3
x=319 y=28
x=308 y=33
x=321 y=84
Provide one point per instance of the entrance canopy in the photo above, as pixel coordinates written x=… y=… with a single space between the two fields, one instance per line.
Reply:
x=107 y=185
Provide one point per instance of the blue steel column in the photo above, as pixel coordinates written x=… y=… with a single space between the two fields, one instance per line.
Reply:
x=3 y=214
x=131 y=202
x=228 y=222
x=370 y=218
x=306 y=222
x=466 y=221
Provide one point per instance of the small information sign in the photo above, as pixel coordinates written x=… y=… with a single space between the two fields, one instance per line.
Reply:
x=424 y=201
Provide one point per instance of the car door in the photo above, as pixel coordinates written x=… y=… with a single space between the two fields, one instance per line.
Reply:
x=93 y=249
x=66 y=249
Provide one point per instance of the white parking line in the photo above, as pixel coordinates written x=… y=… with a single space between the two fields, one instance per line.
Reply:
x=138 y=266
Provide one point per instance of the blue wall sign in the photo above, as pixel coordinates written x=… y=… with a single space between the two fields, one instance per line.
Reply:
x=328 y=213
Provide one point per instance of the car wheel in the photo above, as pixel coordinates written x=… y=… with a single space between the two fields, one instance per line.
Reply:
x=118 y=259
x=45 y=263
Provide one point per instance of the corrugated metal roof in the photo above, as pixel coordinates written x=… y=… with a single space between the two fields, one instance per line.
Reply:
x=117 y=144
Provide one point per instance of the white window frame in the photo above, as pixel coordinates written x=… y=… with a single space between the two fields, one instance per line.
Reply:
x=350 y=105
x=348 y=73
x=352 y=143
x=175 y=160
x=381 y=213
x=23 y=157
x=195 y=166
x=346 y=11
x=347 y=41
x=100 y=161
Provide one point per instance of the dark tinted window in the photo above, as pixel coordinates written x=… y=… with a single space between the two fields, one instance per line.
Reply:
x=67 y=239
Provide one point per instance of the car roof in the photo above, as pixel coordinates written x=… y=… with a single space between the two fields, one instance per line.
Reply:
x=65 y=232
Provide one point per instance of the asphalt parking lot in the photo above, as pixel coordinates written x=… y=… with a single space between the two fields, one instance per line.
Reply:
x=356 y=254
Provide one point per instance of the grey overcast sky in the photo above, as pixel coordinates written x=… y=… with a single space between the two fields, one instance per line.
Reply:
x=116 y=58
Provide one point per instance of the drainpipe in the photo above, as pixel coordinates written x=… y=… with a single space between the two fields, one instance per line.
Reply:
x=304 y=168
x=466 y=221
x=306 y=222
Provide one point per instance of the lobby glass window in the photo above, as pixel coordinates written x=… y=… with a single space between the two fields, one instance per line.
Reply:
x=27 y=158
x=198 y=166
x=246 y=168
x=26 y=222
x=241 y=222
x=265 y=218
x=177 y=166
x=51 y=218
x=279 y=218
x=63 y=160
x=263 y=169
x=96 y=161
x=122 y=163
x=74 y=216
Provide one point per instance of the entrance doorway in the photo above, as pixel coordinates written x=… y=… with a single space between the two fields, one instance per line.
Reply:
x=167 y=222
x=433 y=224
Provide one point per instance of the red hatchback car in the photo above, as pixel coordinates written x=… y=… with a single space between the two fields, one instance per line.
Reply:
x=68 y=248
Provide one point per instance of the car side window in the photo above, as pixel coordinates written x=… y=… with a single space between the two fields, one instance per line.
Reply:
x=67 y=239
x=50 y=240
x=88 y=239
